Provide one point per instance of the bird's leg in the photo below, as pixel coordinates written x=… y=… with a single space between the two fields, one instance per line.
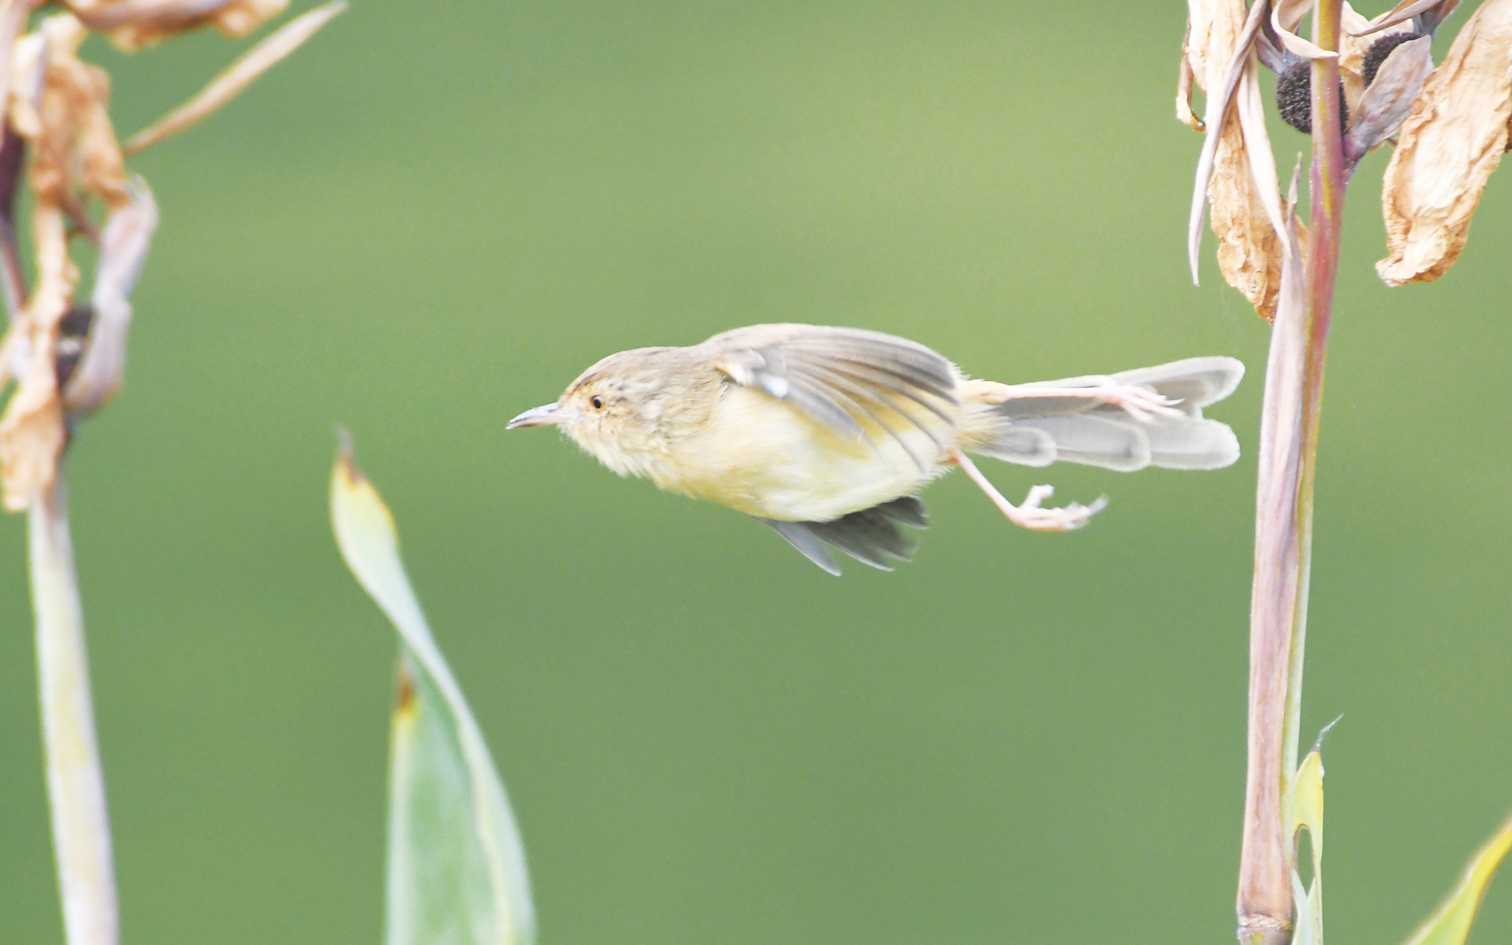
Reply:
x=1136 y=400
x=1029 y=514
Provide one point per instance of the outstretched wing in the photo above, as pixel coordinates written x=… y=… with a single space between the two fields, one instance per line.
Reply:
x=853 y=381
x=871 y=536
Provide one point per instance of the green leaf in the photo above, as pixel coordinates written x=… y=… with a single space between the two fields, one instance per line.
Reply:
x=1307 y=813
x=1451 y=924
x=456 y=868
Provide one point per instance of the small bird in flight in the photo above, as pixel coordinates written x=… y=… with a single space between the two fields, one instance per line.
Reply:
x=826 y=434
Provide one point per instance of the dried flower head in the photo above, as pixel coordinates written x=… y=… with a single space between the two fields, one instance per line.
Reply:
x=56 y=139
x=1294 y=98
x=1376 y=54
x=1451 y=126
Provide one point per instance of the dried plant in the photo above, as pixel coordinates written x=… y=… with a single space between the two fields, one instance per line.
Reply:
x=1355 y=85
x=1449 y=145
x=67 y=353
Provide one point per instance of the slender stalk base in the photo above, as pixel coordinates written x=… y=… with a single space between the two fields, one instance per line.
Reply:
x=75 y=781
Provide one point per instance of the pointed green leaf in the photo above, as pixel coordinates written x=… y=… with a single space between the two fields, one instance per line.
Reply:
x=1451 y=924
x=1307 y=812
x=456 y=868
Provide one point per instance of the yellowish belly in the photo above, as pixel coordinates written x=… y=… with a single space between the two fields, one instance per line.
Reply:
x=766 y=458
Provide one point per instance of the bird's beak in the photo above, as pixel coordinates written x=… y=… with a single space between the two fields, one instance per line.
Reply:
x=537 y=417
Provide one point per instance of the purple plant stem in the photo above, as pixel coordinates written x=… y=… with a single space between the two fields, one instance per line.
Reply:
x=1283 y=534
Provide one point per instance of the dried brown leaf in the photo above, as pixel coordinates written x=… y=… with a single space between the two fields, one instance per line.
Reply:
x=1447 y=149
x=1184 y=113
x=135 y=24
x=32 y=435
x=1236 y=173
x=73 y=144
x=1213 y=28
x=1249 y=251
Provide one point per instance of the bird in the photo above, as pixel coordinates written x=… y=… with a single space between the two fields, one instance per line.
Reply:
x=826 y=434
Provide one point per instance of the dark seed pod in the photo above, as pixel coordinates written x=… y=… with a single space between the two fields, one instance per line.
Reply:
x=73 y=329
x=1378 y=52
x=1294 y=98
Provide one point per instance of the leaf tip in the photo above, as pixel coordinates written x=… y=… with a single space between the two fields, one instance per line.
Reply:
x=406 y=699
x=346 y=460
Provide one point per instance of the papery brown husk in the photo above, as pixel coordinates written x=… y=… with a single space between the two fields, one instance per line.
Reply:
x=1447 y=149
x=75 y=147
x=1249 y=249
x=1213 y=28
x=74 y=154
x=1352 y=49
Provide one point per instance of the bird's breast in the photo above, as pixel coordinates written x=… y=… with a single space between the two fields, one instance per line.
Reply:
x=765 y=457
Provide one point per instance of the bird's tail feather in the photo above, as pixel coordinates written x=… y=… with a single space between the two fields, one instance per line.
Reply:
x=1035 y=427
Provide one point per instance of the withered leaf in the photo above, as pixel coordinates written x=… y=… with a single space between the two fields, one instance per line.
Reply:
x=1447 y=149
x=1236 y=174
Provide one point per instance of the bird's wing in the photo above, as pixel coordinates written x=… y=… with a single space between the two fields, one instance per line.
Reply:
x=847 y=379
x=871 y=536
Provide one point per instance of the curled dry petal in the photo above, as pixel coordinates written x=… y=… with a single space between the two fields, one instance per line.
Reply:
x=1429 y=12
x=1285 y=15
x=1388 y=100
x=1355 y=40
x=1236 y=173
x=1249 y=252
x=1448 y=147
x=123 y=249
x=1184 y=113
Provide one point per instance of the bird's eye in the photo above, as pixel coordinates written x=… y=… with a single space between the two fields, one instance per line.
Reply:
x=597 y=402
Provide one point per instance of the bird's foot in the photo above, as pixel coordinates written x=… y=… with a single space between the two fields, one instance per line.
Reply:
x=1138 y=401
x=1031 y=513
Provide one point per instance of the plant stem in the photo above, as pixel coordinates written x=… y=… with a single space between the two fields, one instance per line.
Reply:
x=75 y=782
x=1284 y=524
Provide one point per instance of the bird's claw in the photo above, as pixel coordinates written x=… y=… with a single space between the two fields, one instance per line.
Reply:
x=1032 y=515
x=1140 y=402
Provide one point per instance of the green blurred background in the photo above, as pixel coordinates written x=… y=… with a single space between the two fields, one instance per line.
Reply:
x=434 y=217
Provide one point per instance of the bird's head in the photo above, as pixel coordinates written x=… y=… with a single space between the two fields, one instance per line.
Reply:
x=623 y=410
